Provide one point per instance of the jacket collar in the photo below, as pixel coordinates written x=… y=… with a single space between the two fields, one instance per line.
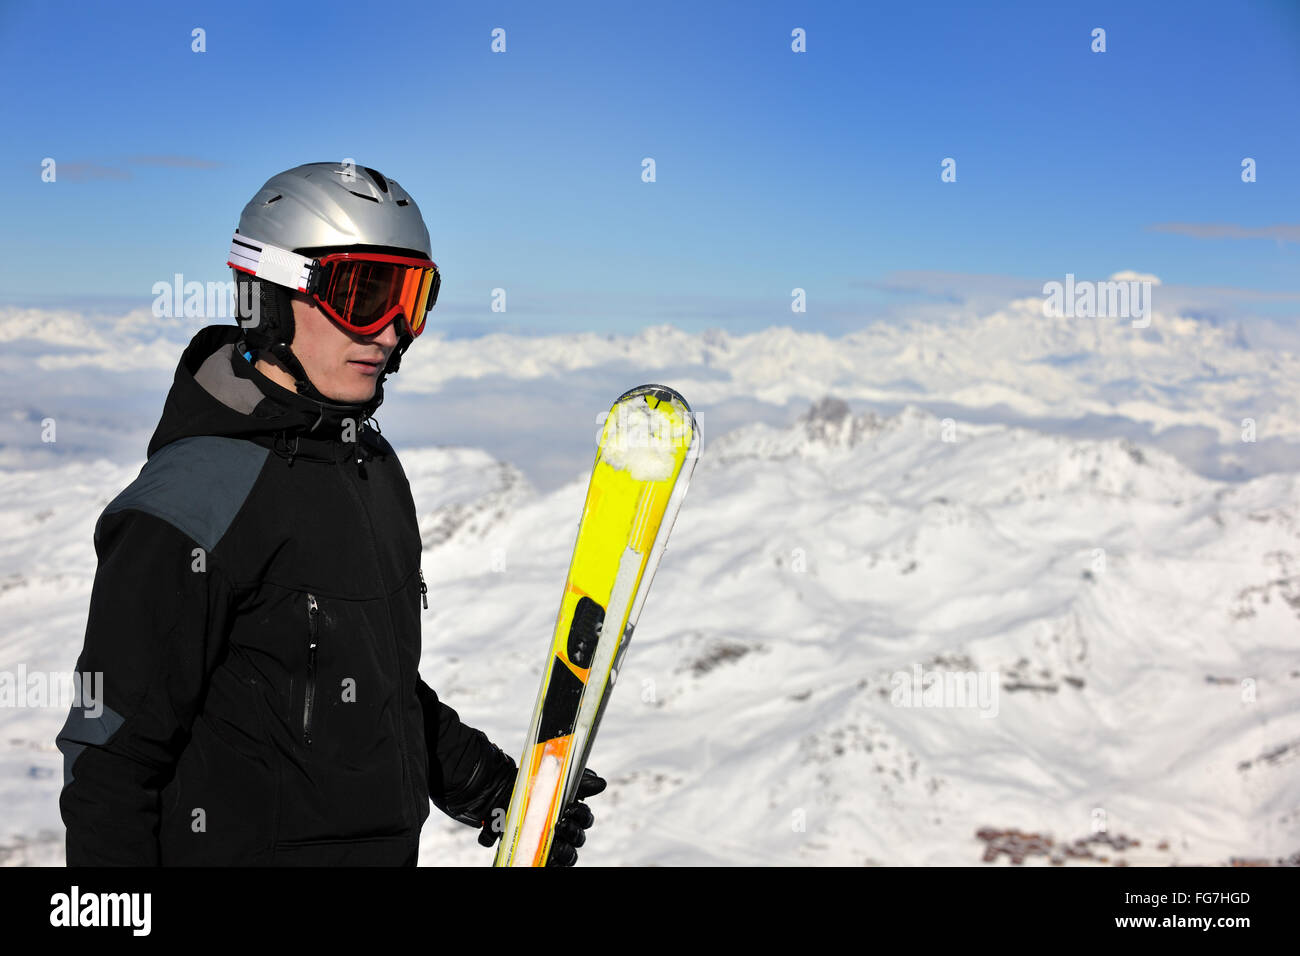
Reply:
x=217 y=391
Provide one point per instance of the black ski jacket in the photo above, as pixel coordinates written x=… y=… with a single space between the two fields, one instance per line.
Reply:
x=256 y=619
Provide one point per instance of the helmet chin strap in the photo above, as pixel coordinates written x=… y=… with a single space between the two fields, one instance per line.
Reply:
x=301 y=383
x=304 y=386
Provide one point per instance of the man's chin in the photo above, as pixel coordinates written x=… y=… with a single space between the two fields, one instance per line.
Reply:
x=356 y=396
x=353 y=390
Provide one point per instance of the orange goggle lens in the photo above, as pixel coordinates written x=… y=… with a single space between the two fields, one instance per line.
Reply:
x=364 y=292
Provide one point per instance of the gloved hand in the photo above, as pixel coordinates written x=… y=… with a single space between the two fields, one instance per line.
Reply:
x=570 y=829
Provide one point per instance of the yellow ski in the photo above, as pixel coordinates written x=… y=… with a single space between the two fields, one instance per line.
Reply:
x=648 y=448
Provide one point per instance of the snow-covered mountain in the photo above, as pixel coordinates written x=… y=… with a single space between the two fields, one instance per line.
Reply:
x=1014 y=361
x=872 y=636
x=1197 y=388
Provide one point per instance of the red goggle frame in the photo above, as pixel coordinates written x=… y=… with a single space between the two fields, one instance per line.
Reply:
x=362 y=291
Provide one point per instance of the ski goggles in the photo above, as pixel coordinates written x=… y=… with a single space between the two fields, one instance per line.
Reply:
x=362 y=291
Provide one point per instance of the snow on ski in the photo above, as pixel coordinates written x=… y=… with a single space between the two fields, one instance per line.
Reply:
x=648 y=447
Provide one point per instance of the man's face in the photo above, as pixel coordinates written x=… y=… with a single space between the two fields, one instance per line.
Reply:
x=343 y=365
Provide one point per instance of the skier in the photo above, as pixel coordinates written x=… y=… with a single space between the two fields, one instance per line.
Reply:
x=255 y=614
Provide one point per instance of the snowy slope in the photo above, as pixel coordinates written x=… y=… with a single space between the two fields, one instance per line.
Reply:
x=758 y=717
x=811 y=565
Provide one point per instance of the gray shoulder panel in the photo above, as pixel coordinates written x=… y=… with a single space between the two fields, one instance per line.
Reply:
x=195 y=484
x=216 y=376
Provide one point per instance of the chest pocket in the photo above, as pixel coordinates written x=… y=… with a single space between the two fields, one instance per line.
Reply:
x=346 y=679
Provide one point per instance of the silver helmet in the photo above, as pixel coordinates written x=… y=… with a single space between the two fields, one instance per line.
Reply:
x=310 y=210
x=326 y=205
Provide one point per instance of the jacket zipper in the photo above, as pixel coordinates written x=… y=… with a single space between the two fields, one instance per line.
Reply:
x=350 y=483
x=424 y=590
x=313 y=612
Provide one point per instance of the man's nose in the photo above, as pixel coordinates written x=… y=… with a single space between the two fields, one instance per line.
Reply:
x=388 y=334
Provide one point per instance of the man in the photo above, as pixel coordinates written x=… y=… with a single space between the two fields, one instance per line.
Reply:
x=256 y=608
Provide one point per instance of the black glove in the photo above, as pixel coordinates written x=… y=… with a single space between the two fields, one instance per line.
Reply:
x=570 y=829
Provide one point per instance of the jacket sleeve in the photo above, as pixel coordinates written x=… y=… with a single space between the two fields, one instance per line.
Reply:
x=142 y=672
x=467 y=772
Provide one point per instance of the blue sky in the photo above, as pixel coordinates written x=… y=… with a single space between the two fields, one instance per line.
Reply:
x=774 y=169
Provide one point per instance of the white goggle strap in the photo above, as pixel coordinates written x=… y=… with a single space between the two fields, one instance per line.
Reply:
x=270 y=262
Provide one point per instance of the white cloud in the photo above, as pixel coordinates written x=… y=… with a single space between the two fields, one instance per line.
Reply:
x=1128 y=275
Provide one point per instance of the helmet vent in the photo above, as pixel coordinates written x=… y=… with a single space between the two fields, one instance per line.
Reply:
x=363 y=195
x=403 y=202
x=378 y=177
x=274 y=199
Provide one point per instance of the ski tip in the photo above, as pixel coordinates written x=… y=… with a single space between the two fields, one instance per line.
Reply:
x=655 y=394
x=660 y=393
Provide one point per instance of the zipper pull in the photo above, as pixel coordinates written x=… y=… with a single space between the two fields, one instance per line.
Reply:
x=312 y=610
x=309 y=695
x=424 y=590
